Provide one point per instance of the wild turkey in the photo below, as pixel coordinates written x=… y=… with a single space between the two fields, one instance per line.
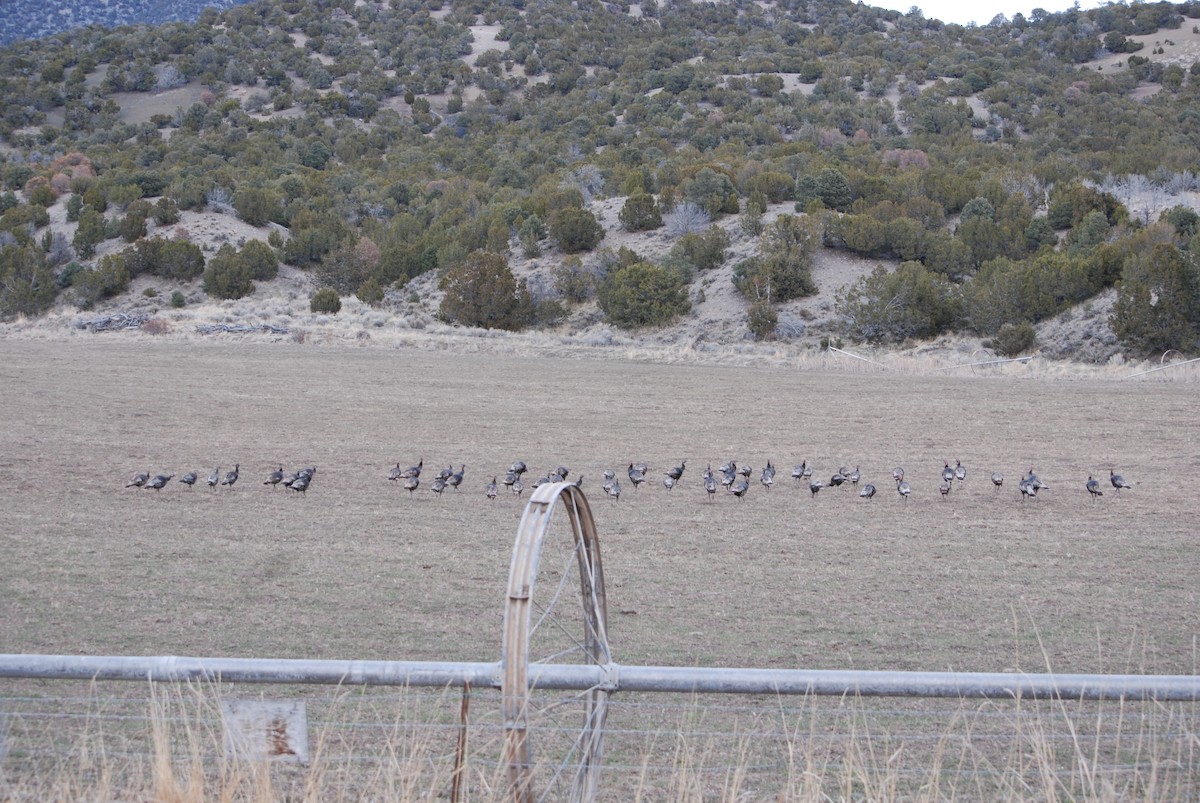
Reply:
x=740 y=488
x=509 y=478
x=1028 y=489
x=1118 y=481
x=636 y=476
x=855 y=476
x=997 y=480
x=947 y=473
x=439 y=485
x=767 y=479
x=159 y=481
x=274 y=478
x=395 y=473
x=677 y=472
x=455 y=479
x=868 y=491
x=214 y=478
x=609 y=480
x=798 y=471
x=945 y=488
x=518 y=488
x=668 y=482
x=1036 y=482
x=1093 y=486
x=745 y=471
x=904 y=490
x=837 y=479
x=815 y=486
x=189 y=479
x=898 y=473
x=290 y=481
x=412 y=471
x=517 y=468
x=768 y=476
x=444 y=473
x=710 y=485
x=411 y=484
x=808 y=471
x=614 y=491
x=960 y=472
x=492 y=490
x=562 y=472
x=300 y=484
x=138 y=480
x=232 y=476
x=728 y=474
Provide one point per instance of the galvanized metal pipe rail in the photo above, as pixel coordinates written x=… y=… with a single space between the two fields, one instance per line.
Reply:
x=611 y=677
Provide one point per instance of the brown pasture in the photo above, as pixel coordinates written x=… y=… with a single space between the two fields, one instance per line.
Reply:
x=358 y=569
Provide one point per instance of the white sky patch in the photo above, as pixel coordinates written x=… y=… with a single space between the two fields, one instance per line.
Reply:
x=981 y=13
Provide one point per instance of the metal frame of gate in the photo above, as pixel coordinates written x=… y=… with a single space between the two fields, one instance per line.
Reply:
x=597 y=675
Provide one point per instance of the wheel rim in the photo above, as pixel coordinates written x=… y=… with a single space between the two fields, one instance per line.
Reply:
x=555 y=614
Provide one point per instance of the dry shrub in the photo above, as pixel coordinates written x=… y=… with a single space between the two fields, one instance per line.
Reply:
x=156 y=326
x=299 y=335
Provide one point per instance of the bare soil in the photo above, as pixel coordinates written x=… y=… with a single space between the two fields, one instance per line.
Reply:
x=359 y=569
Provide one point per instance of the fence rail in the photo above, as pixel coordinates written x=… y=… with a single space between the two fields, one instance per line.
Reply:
x=611 y=677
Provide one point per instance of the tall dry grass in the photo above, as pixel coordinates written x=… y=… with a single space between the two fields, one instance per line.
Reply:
x=401 y=746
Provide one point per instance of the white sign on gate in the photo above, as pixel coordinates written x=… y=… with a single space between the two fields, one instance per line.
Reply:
x=270 y=729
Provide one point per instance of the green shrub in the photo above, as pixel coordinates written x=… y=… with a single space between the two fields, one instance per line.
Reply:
x=761 y=319
x=257 y=206
x=107 y=279
x=370 y=292
x=227 y=275
x=74 y=207
x=1158 y=302
x=482 y=291
x=132 y=227
x=42 y=196
x=642 y=294
x=27 y=284
x=703 y=251
x=166 y=212
x=1014 y=339
x=713 y=192
x=775 y=187
x=66 y=277
x=326 y=300
x=177 y=300
x=783 y=269
x=640 y=213
x=576 y=230
x=89 y=233
x=530 y=234
x=572 y=281
x=911 y=302
x=263 y=264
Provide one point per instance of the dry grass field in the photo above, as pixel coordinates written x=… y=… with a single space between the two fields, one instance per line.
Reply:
x=357 y=568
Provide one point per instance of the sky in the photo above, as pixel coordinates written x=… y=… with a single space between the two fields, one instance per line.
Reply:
x=979 y=12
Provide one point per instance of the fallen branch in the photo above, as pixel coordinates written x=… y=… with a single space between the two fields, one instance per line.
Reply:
x=240 y=329
x=112 y=323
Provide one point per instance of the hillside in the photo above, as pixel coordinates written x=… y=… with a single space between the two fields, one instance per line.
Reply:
x=805 y=173
x=34 y=19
